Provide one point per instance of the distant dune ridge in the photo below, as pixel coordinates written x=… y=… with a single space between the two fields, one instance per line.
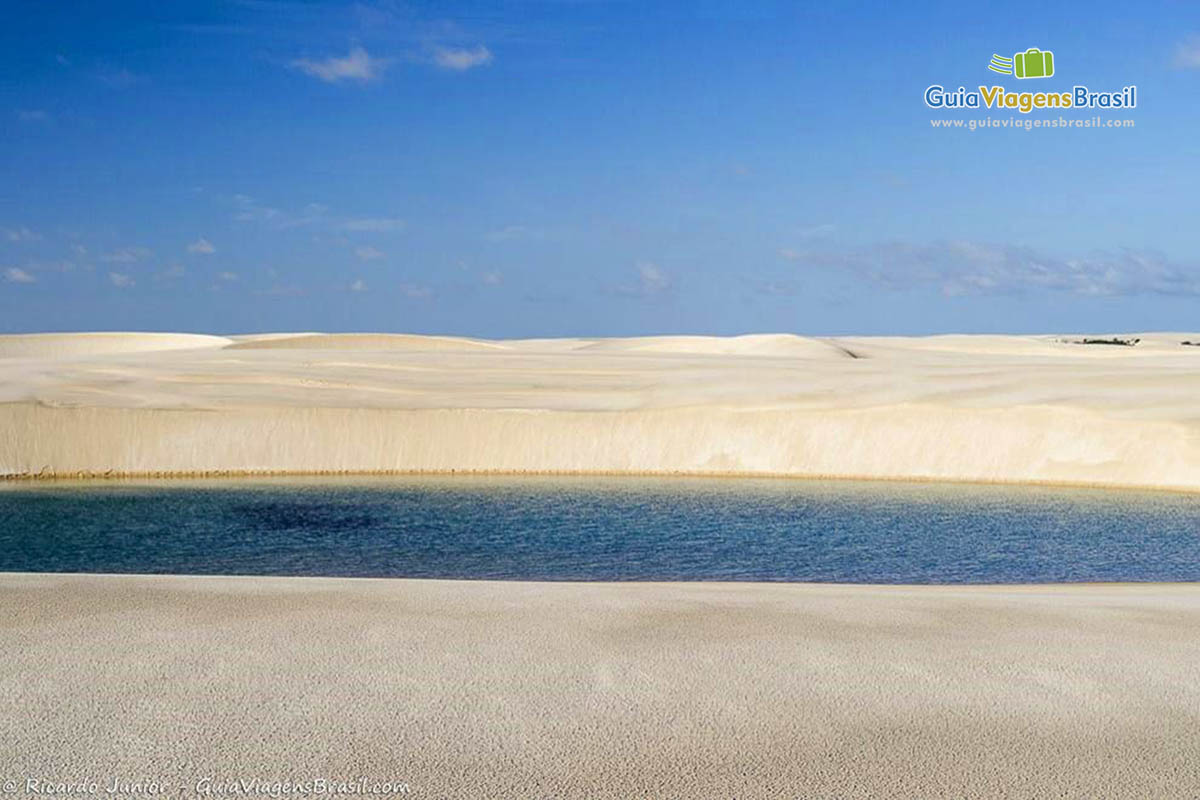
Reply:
x=981 y=408
x=69 y=345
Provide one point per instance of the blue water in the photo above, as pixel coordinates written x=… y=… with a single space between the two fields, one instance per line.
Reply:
x=603 y=529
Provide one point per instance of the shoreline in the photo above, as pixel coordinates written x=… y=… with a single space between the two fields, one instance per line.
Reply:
x=217 y=475
x=1070 y=587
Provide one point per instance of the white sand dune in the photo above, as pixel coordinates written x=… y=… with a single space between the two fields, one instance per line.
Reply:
x=361 y=341
x=770 y=344
x=1070 y=346
x=68 y=345
x=479 y=689
x=264 y=337
x=987 y=408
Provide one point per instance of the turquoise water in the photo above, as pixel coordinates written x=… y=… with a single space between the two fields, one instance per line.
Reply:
x=602 y=529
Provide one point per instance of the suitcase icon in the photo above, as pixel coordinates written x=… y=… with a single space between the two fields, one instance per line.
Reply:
x=1034 y=63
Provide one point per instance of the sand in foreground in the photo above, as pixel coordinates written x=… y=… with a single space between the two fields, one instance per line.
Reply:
x=480 y=689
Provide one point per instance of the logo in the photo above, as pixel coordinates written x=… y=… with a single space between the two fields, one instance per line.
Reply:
x=1033 y=63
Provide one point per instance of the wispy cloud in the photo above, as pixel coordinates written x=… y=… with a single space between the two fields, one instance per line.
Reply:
x=651 y=281
x=202 y=246
x=18 y=275
x=461 y=59
x=228 y=277
x=511 y=233
x=1187 y=53
x=249 y=209
x=282 y=290
x=21 y=234
x=59 y=265
x=774 y=288
x=416 y=291
x=974 y=268
x=126 y=255
x=357 y=65
x=374 y=224
x=32 y=115
x=808 y=234
x=492 y=278
x=120 y=78
x=368 y=253
x=212 y=29
x=817 y=231
x=358 y=286
x=120 y=279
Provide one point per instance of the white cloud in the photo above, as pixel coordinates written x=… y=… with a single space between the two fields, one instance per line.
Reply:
x=311 y=213
x=21 y=234
x=416 y=292
x=127 y=255
x=974 y=268
x=814 y=232
x=358 y=286
x=119 y=78
x=651 y=281
x=368 y=253
x=1187 y=53
x=248 y=209
x=32 y=115
x=492 y=278
x=513 y=233
x=50 y=266
x=120 y=280
x=374 y=224
x=775 y=288
x=228 y=276
x=461 y=59
x=282 y=291
x=357 y=65
x=17 y=275
x=817 y=231
x=202 y=246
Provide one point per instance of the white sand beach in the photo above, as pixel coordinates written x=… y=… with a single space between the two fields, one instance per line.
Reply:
x=480 y=689
x=976 y=408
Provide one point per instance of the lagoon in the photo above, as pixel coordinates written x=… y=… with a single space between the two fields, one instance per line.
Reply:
x=602 y=529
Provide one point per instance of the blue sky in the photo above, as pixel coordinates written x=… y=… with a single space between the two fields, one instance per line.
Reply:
x=589 y=168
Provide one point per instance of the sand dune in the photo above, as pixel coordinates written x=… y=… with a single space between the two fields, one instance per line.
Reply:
x=67 y=345
x=772 y=344
x=1011 y=409
x=266 y=337
x=1067 y=346
x=482 y=689
x=362 y=341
